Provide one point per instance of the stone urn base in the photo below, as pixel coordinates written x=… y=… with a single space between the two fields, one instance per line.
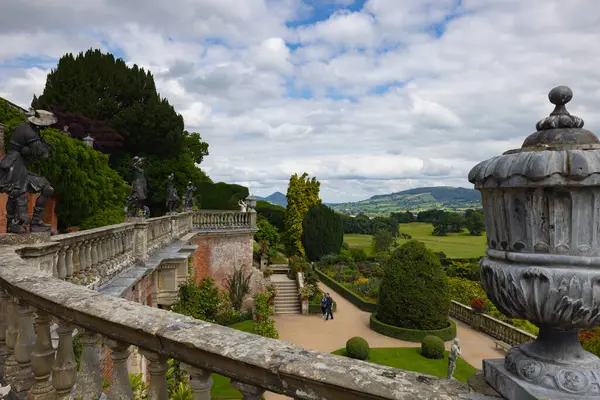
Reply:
x=555 y=366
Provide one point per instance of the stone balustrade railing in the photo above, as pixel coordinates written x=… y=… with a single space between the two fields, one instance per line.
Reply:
x=30 y=301
x=223 y=219
x=490 y=325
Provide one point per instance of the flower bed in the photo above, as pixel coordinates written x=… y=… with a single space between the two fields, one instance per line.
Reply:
x=412 y=335
x=348 y=294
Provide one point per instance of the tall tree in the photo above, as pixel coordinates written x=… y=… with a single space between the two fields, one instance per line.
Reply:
x=302 y=194
x=322 y=232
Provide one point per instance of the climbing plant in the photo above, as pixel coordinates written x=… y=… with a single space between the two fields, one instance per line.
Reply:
x=302 y=194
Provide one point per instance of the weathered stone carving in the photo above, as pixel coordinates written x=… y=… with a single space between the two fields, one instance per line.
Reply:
x=189 y=196
x=172 y=197
x=243 y=206
x=139 y=189
x=16 y=180
x=453 y=356
x=541 y=207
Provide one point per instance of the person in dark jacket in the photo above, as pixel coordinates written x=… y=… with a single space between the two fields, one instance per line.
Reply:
x=323 y=305
x=329 y=307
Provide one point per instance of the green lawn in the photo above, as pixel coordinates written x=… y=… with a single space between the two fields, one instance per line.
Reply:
x=221 y=388
x=410 y=359
x=455 y=245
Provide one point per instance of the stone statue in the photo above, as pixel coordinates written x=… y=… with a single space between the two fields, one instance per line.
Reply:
x=139 y=189
x=15 y=180
x=172 y=197
x=66 y=131
x=189 y=196
x=454 y=353
x=243 y=206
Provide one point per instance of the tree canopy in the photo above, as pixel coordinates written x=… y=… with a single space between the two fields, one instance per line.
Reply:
x=322 y=232
x=302 y=194
x=120 y=107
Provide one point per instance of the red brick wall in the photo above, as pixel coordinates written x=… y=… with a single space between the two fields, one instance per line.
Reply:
x=106 y=363
x=49 y=214
x=201 y=259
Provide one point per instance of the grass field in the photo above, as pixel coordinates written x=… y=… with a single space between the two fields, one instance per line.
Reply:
x=455 y=245
x=410 y=359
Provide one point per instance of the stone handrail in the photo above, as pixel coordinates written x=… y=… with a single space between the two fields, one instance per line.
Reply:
x=223 y=219
x=254 y=363
x=300 y=284
x=490 y=325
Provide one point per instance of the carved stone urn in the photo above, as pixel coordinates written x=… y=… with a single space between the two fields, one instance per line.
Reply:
x=542 y=217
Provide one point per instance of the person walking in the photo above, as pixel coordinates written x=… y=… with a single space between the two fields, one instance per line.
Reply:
x=329 y=307
x=323 y=305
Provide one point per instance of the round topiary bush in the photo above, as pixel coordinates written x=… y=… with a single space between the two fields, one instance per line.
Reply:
x=414 y=289
x=358 y=348
x=432 y=347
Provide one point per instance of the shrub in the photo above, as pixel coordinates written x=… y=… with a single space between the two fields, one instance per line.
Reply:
x=358 y=348
x=198 y=301
x=322 y=232
x=432 y=347
x=237 y=283
x=358 y=254
x=414 y=290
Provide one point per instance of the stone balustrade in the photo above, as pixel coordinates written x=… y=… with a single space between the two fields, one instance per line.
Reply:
x=490 y=325
x=30 y=300
x=222 y=219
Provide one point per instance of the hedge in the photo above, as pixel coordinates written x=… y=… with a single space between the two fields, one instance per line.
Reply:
x=348 y=294
x=412 y=335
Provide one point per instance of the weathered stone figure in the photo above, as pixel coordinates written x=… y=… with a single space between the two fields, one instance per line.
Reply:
x=172 y=197
x=454 y=353
x=243 y=206
x=189 y=196
x=17 y=181
x=139 y=188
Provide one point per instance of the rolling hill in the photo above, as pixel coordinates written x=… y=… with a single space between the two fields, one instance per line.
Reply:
x=419 y=199
x=275 y=198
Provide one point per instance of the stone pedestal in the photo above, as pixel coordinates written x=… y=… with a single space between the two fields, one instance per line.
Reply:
x=13 y=239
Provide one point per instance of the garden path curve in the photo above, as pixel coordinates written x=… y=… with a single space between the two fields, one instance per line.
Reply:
x=311 y=332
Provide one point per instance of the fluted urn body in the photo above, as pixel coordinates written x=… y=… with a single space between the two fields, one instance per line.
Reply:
x=542 y=216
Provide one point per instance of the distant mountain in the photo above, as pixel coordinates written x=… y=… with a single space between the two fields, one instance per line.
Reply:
x=419 y=199
x=275 y=198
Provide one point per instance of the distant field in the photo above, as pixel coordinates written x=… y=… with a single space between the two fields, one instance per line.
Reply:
x=455 y=245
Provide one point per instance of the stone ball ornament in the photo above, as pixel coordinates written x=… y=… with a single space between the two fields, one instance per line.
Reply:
x=542 y=217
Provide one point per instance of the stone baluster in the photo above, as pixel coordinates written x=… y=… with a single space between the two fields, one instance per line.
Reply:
x=11 y=366
x=89 y=378
x=64 y=371
x=158 y=369
x=76 y=263
x=94 y=255
x=200 y=381
x=69 y=262
x=249 y=392
x=84 y=260
x=24 y=379
x=120 y=389
x=42 y=359
x=4 y=319
x=61 y=266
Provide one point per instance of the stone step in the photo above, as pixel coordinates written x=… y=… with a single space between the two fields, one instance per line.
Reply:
x=287 y=290
x=288 y=312
x=286 y=302
x=287 y=309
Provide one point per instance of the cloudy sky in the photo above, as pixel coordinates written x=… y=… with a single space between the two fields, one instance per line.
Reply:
x=370 y=96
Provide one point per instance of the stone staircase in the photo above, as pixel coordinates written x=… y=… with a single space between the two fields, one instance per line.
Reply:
x=287 y=301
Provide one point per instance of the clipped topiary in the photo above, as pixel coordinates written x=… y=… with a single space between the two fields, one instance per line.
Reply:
x=432 y=347
x=358 y=348
x=322 y=232
x=414 y=289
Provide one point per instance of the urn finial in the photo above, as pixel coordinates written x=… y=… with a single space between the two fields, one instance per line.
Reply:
x=560 y=118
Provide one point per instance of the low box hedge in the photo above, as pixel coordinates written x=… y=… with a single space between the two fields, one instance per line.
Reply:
x=346 y=293
x=316 y=308
x=412 y=335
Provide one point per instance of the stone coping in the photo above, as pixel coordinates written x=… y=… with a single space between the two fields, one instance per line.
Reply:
x=274 y=365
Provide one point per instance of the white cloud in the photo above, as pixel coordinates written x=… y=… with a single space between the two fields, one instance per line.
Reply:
x=371 y=100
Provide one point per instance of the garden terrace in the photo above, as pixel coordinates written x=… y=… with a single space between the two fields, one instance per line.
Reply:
x=32 y=298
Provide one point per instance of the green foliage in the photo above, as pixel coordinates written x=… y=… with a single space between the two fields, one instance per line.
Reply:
x=382 y=241
x=449 y=222
x=474 y=222
x=237 y=283
x=220 y=196
x=273 y=213
x=198 y=301
x=11 y=118
x=359 y=255
x=459 y=269
x=412 y=335
x=181 y=392
x=432 y=347
x=83 y=181
x=138 y=386
x=357 y=348
x=267 y=233
x=77 y=348
x=302 y=194
x=414 y=291
x=266 y=328
x=264 y=310
x=322 y=232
